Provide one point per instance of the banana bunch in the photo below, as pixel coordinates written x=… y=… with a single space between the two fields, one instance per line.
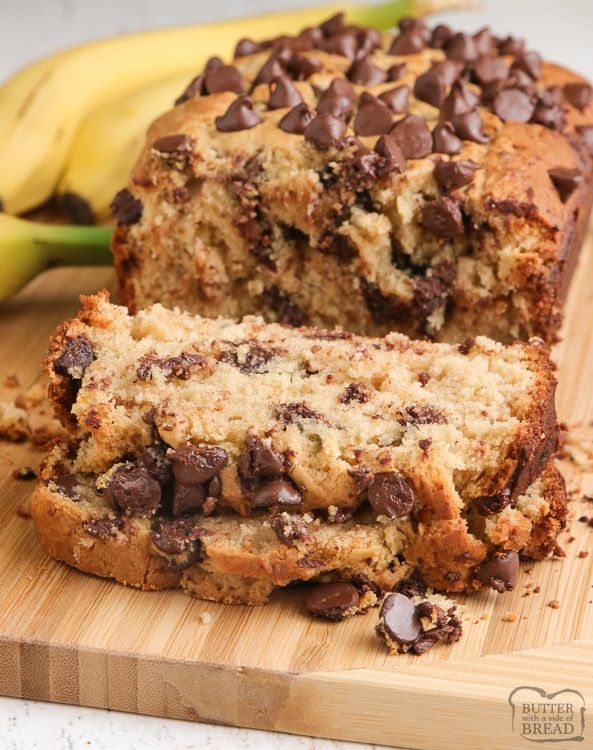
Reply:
x=44 y=106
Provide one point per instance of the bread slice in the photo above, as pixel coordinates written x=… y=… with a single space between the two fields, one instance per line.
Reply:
x=423 y=455
x=447 y=194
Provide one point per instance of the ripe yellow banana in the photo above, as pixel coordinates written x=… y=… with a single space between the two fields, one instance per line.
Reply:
x=27 y=248
x=107 y=145
x=38 y=131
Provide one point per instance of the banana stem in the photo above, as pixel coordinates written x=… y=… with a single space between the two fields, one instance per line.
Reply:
x=73 y=246
x=383 y=16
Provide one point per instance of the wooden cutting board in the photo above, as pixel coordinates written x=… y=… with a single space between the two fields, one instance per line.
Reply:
x=72 y=638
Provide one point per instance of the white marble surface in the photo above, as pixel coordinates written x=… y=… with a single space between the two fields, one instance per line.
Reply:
x=560 y=29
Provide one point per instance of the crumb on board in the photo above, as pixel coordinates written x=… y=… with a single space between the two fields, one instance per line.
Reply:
x=537 y=589
x=554 y=604
x=24 y=473
x=11 y=381
x=583 y=553
x=14 y=423
x=570 y=539
x=510 y=617
x=205 y=618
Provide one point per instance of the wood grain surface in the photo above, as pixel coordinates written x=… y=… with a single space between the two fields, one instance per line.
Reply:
x=73 y=638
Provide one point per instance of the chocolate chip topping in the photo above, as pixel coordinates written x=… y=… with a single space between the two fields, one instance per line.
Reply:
x=407 y=43
x=484 y=41
x=134 y=491
x=239 y=116
x=223 y=78
x=431 y=86
x=284 y=94
x=300 y=68
x=276 y=492
x=332 y=601
x=500 y=572
x=194 y=465
x=187 y=499
x=530 y=63
x=440 y=35
x=580 y=95
x=417 y=25
x=459 y=100
x=513 y=105
x=396 y=72
x=390 y=495
x=388 y=148
x=490 y=69
x=338 y=100
x=488 y=505
x=76 y=356
x=296 y=120
x=271 y=69
x=67 y=484
x=246 y=47
x=444 y=139
x=397 y=99
x=344 y=44
x=366 y=73
x=470 y=127
x=174 y=145
x=178 y=537
x=400 y=620
x=442 y=218
x=194 y=88
x=566 y=181
x=126 y=209
x=413 y=137
x=325 y=131
x=260 y=459
x=373 y=118
x=451 y=175
x=462 y=47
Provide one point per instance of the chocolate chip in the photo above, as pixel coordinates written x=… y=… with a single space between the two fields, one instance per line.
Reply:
x=194 y=88
x=133 y=490
x=407 y=43
x=442 y=218
x=586 y=132
x=325 y=131
x=417 y=25
x=489 y=69
x=396 y=99
x=76 y=356
x=413 y=137
x=566 y=181
x=469 y=127
x=444 y=139
x=246 y=47
x=466 y=346
x=488 y=505
x=551 y=116
x=338 y=100
x=224 y=78
x=580 y=95
x=178 y=537
x=451 y=175
x=366 y=73
x=271 y=69
x=68 y=485
x=511 y=46
x=289 y=528
x=176 y=146
x=344 y=44
x=373 y=118
x=239 y=116
x=260 y=459
x=484 y=41
x=440 y=36
x=213 y=64
x=194 y=465
x=461 y=46
x=296 y=120
x=513 y=105
x=280 y=301
x=300 y=68
x=400 y=620
x=430 y=87
x=396 y=72
x=530 y=63
x=187 y=499
x=333 y=25
x=101 y=528
x=126 y=209
x=459 y=100
x=276 y=492
x=284 y=94
x=388 y=148
x=500 y=572
x=332 y=601
x=390 y=495
x=354 y=392
x=424 y=414
x=179 y=367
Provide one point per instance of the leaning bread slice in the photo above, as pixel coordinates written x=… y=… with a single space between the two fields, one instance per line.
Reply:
x=173 y=415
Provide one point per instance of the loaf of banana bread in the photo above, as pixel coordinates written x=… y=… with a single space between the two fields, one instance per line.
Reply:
x=430 y=182
x=233 y=457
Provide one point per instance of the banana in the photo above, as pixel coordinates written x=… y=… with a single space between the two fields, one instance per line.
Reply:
x=39 y=130
x=108 y=143
x=27 y=248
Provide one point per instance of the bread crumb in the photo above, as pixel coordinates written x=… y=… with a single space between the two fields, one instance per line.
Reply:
x=583 y=553
x=24 y=473
x=14 y=423
x=537 y=589
x=554 y=604
x=570 y=539
x=31 y=397
x=205 y=618
x=509 y=617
